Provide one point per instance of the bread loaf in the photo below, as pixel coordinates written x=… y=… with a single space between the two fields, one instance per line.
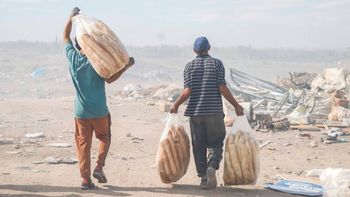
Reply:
x=118 y=44
x=98 y=57
x=103 y=49
x=241 y=158
x=108 y=46
x=173 y=155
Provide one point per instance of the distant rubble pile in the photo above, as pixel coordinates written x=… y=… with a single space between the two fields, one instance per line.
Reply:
x=303 y=102
x=161 y=96
x=158 y=75
x=167 y=93
x=132 y=90
x=296 y=79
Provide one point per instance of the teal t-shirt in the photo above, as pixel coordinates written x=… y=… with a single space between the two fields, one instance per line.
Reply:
x=90 y=99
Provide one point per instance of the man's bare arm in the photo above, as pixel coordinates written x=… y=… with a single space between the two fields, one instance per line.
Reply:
x=68 y=26
x=67 y=31
x=183 y=97
x=119 y=74
x=228 y=96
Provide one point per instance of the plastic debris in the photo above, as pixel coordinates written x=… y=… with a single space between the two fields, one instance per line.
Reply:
x=34 y=135
x=297 y=187
x=60 y=145
x=336 y=182
x=4 y=141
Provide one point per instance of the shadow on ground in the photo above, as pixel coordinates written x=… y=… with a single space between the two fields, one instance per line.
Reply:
x=109 y=190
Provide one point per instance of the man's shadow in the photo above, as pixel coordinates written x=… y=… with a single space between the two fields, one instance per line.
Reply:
x=110 y=190
x=31 y=191
x=195 y=190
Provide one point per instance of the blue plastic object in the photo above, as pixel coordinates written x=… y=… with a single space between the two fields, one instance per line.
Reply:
x=297 y=187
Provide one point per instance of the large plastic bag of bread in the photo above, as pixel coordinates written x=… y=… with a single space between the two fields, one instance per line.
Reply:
x=241 y=156
x=173 y=154
x=101 y=46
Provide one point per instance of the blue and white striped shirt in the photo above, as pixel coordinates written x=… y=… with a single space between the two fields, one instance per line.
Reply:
x=204 y=75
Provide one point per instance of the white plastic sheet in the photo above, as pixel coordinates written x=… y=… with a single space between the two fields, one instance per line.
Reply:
x=336 y=182
x=331 y=79
x=241 y=124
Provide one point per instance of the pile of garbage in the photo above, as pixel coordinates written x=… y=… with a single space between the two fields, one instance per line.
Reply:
x=161 y=96
x=303 y=98
x=132 y=90
x=296 y=79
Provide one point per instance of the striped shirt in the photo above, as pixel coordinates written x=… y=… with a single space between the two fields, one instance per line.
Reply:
x=203 y=76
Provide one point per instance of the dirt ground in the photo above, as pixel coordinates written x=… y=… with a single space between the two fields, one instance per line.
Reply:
x=130 y=166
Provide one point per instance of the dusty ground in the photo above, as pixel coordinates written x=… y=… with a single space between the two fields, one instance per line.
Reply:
x=136 y=128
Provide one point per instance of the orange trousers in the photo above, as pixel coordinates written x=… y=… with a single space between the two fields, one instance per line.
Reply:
x=83 y=138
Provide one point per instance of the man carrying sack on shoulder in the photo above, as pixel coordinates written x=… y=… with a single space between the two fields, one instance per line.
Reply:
x=91 y=111
x=204 y=83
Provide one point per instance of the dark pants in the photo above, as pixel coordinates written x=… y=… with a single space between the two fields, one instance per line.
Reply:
x=208 y=134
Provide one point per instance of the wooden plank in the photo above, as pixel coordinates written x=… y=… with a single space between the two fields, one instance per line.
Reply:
x=305 y=128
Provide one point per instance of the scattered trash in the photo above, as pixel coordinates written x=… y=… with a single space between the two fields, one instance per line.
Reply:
x=34 y=135
x=314 y=172
x=53 y=160
x=39 y=72
x=313 y=144
x=339 y=114
x=70 y=161
x=332 y=137
x=303 y=135
x=264 y=144
x=300 y=115
x=282 y=124
x=336 y=182
x=43 y=120
x=23 y=168
x=153 y=166
x=305 y=128
x=304 y=99
x=132 y=90
x=300 y=172
x=134 y=139
x=336 y=134
x=137 y=138
x=150 y=103
x=13 y=152
x=58 y=160
x=38 y=162
x=297 y=188
x=4 y=141
x=40 y=171
x=59 y=145
x=168 y=93
x=342 y=140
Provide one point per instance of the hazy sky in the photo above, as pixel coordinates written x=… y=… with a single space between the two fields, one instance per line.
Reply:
x=257 y=23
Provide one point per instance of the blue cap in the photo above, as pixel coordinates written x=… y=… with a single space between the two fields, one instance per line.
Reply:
x=201 y=44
